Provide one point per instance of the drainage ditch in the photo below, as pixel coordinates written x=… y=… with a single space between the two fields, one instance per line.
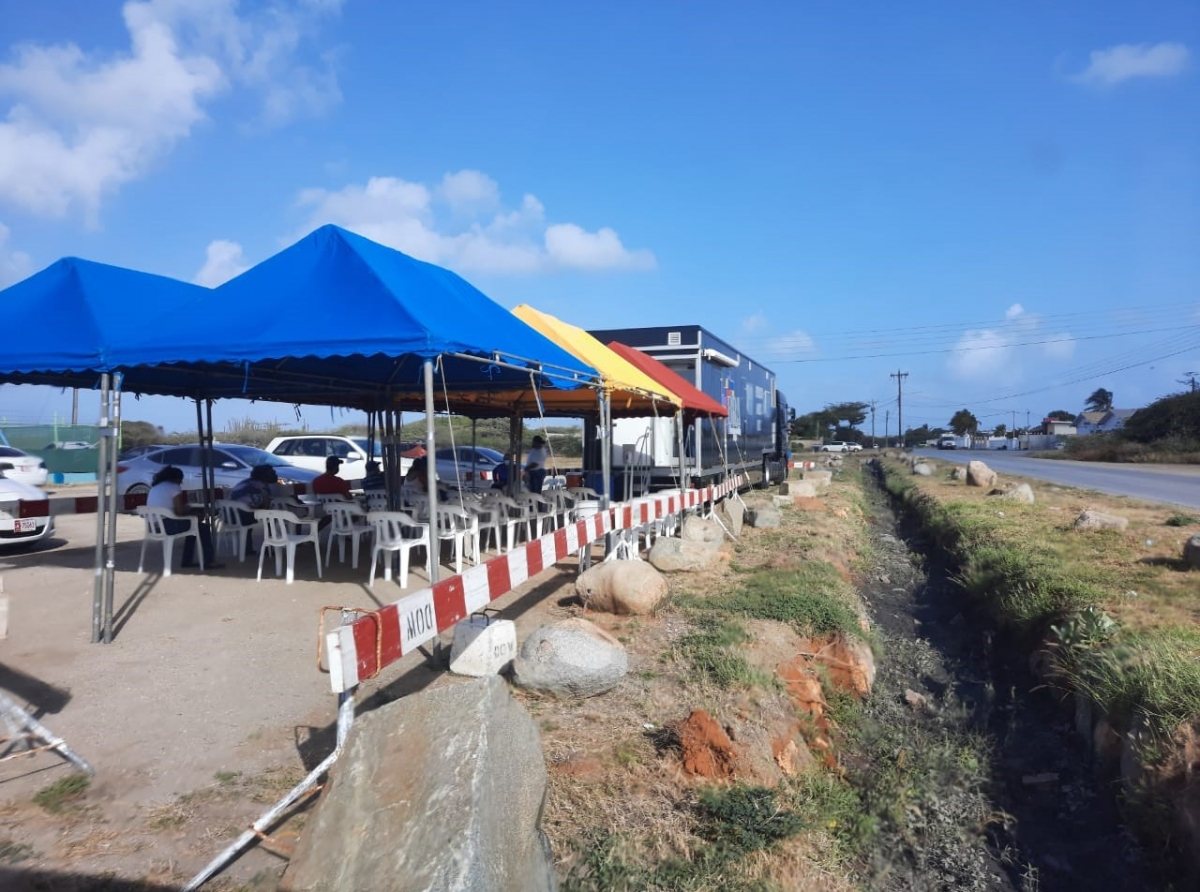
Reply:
x=1006 y=799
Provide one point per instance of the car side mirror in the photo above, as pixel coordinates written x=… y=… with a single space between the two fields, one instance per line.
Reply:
x=353 y=457
x=230 y=465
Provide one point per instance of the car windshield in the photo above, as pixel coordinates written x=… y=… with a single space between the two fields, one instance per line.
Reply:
x=9 y=452
x=361 y=442
x=252 y=456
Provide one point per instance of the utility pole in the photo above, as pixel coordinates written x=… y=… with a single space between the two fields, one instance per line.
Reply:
x=872 y=424
x=899 y=376
x=887 y=419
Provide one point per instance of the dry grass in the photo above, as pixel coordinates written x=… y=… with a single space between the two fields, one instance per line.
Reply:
x=1139 y=571
x=615 y=780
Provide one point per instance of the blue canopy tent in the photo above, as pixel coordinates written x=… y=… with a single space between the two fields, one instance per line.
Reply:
x=335 y=319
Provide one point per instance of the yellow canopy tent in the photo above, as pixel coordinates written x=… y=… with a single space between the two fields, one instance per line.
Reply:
x=630 y=391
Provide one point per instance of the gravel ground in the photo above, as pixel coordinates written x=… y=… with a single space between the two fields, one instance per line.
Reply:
x=1040 y=820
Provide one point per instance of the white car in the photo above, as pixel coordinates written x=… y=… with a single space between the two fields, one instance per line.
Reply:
x=16 y=530
x=311 y=450
x=22 y=467
x=834 y=446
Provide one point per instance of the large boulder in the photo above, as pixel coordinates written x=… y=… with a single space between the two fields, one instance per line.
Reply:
x=439 y=790
x=732 y=513
x=698 y=529
x=1191 y=552
x=1098 y=520
x=683 y=555
x=803 y=489
x=922 y=469
x=819 y=478
x=958 y=473
x=765 y=517
x=979 y=474
x=570 y=658
x=624 y=587
x=1022 y=492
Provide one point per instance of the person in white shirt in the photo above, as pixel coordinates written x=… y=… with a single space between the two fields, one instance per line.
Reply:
x=166 y=492
x=535 y=465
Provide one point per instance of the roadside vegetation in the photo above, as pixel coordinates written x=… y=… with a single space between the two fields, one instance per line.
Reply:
x=1110 y=619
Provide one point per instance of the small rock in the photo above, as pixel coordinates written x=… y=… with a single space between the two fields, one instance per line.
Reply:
x=1098 y=520
x=915 y=700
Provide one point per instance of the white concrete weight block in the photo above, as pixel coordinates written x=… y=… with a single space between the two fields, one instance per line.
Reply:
x=482 y=646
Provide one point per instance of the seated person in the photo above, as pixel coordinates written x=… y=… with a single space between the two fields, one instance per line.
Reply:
x=415 y=488
x=329 y=483
x=166 y=492
x=535 y=465
x=374 y=478
x=500 y=475
x=254 y=492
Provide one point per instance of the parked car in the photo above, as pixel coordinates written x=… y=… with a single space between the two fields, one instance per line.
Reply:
x=311 y=450
x=473 y=466
x=135 y=451
x=835 y=446
x=22 y=467
x=21 y=530
x=231 y=465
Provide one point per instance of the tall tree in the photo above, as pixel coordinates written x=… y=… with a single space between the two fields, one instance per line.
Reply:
x=853 y=414
x=1101 y=400
x=964 y=422
x=1000 y=430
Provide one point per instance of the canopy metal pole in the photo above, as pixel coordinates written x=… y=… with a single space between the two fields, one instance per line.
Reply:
x=102 y=473
x=606 y=461
x=110 y=560
x=431 y=472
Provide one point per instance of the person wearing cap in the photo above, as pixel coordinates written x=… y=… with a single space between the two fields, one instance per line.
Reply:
x=254 y=492
x=329 y=483
x=535 y=465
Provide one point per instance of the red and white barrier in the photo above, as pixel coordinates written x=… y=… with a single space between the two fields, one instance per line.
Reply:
x=129 y=502
x=358 y=650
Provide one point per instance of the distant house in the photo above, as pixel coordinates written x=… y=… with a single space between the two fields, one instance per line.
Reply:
x=1102 y=422
x=1058 y=428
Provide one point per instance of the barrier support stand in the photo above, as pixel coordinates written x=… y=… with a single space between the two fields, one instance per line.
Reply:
x=22 y=723
x=311 y=782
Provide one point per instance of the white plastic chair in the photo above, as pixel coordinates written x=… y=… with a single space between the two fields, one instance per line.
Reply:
x=231 y=529
x=396 y=533
x=377 y=500
x=538 y=514
x=457 y=525
x=282 y=534
x=302 y=510
x=349 y=522
x=509 y=516
x=156 y=530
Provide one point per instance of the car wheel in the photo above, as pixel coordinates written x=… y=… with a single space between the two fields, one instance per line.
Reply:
x=138 y=489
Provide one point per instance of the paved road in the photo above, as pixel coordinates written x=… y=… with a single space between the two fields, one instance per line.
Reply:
x=1173 y=484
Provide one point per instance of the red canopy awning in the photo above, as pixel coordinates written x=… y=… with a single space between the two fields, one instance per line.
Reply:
x=695 y=401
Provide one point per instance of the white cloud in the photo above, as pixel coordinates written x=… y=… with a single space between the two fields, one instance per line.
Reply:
x=223 y=261
x=462 y=223
x=754 y=322
x=794 y=343
x=1126 y=61
x=14 y=265
x=1000 y=354
x=81 y=125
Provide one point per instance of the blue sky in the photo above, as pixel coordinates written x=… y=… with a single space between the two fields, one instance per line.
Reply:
x=1000 y=199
